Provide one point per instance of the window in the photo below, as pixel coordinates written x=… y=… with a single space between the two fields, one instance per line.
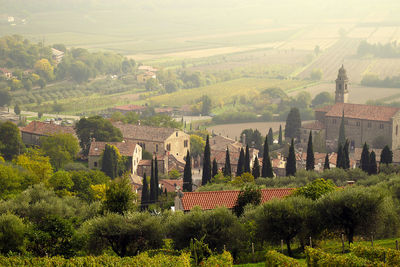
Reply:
x=340 y=87
x=346 y=122
x=156 y=147
x=168 y=147
x=95 y=164
x=381 y=126
x=333 y=121
x=358 y=123
x=185 y=143
x=369 y=125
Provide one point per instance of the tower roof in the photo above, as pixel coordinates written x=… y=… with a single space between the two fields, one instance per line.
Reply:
x=342 y=75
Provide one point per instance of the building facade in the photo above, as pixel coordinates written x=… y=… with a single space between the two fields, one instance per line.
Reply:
x=33 y=131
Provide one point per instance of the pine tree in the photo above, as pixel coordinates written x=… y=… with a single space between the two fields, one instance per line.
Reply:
x=293 y=124
x=280 y=140
x=373 y=168
x=145 y=193
x=346 y=155
x=109 y=161
x=187 y=174
x=227 y=168
x=240 y=165
x=310 y=162
x=153 y=190
x=340 y=160
x=266 y=170
x=291 y=161
x=270 y=137
x=158 y=192
x=365 y=161
x=247 y=160
x=256 y=168
x=17 y=109
x=214 y=168
x=342 y=134
x=206 y=177
x=326 y=163
x=386 y=155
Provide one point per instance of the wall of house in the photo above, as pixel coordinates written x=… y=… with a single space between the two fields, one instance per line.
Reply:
x=150 y=146
x=177 y=144
x=94 y=162
x=305 y=133
x=396 y=131
x=30 y=139
x=136 y=158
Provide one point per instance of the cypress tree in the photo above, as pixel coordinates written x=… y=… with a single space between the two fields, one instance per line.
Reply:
x=240 y=165
x=270 y=137
x=266 y=170
x=373 y=168
x=365 y=161
x=227 y=168
x=280 y=140
x=293 y=124
x=340 y=160
x=247 y=160
x=326 y=164
x=346 y=155
x=153 y=190
x=187 y=174
x=342 y=134
x=206 y=177
x=109 y=161
x=256 y=168
x=158 y=191
x=310 y=162
x=214 y=168
x=291 y=161
x=145 y=193
x=386 y=155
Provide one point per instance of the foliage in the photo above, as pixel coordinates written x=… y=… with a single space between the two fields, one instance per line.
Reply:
x=373 y=168
x=174 y=174
x=11 y=143
x=5 y=98
x=145 y=193
x=253 y=138
x=124 y=234
x=377 y=254
x=310 y=161
x=316 y=74
x=36 y=163
x=227 y=171
x=256 y=168
x=13 y=181
x=111 y=161
x=365 y=161
x=293 y=124
x=119 y=196
x=388 y=50
x=12 y=234
x=61 y=148
x=61 y=182
x=83 y=182
x=197 y=145
x=243 y=179
x=276 y=259
x=224 y=259
x=266 y=170
x=248 y=195
x=373 y=80
x=206 y=175
x=240 y=164
x=187 y=175
x=315 y=189
x=322 y=98
x=291 y=161
x=386 y=155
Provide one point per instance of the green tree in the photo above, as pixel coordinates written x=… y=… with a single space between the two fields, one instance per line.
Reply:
x=36 y=164
x=197 y=145
x=119 y=196
x=12 y=234
x=214 y=168
x=17 y=109
x=293 y=124
x=206 y=176
x=280 y=140
x=156 y=183
x=326 y=163
x=365 y=160
x=386 y=155
x=187 y=175
x=346 y=155
x=315 y=189
x=5 y=98
x=266 y=170
x=145 y=193
x=373 y=168
x=256 y=168
x=247 y=160
x=61 y=182
x=11 y=143
x=227 y=167
x=98 y=128
x=316 y=74
x=62 y=148
x=310 y=162
x=322 y=98
x=250 y=194
x=340 y=157
x=110 y=159
x=240 y=164
x=80 y=72
x=342 y=134
x=291 y=161
x=153 y=186
x=152 y=85
x=205 y=105
x=270 y=137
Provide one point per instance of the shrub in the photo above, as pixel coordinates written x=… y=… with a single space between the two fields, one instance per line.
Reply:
x=224 y=259
x=276 y=259
x=378 y=254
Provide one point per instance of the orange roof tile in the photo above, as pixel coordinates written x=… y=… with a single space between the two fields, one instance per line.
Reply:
x=362 y=112
x=170 y=184
x=314 y=125
x=125 y=148
x=213 y=199
x=42 y=128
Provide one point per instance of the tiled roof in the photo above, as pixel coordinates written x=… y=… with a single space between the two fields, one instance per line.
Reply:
x=147 y=162
x=212 y=199
x=42 y=128
x=219 y=142
x=314 y=125
x=171 y=185
x=141 y=132
x=125 y=148
x=362 y=112
x=130 y=108
x=324 y=108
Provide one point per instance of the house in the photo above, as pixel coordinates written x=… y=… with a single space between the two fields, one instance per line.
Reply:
x=363 y=123
x=171 y=185
x=157 y=140
x=7 y=74
x=127 y=149
x=33 y=131
x=145 y=165
x=144 y=77
x=317 y=128
x=57 y=55
x=129 y=108
x=212 y=199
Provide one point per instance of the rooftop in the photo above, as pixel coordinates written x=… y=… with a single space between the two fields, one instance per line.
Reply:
x=314 y=125
x=130 y=108
x=213 y=199
x=362 y=112
x=125 y=148
x=42 y=128
x=170 y=184
x=141 y=132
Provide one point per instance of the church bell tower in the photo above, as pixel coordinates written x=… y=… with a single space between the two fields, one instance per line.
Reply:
x=342 y=93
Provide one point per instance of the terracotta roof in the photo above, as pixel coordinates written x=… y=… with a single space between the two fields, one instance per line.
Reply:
x=147 y=162
x=141 y=132
x=125 y=148
x=314 y=125
x=324 y=108
x=42 y=128
x=219 y=142
x=212 y=199
x=163 y=110
x=130 y=108
x=171 y=185
x=362 y=112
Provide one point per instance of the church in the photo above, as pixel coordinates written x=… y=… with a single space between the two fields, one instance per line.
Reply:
x=375 y=125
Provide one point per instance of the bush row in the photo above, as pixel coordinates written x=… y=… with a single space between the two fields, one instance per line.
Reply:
x=317 y=257
x=276 y=259
x=378 y=254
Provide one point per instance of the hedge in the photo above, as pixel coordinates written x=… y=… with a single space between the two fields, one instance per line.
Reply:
x=378 y=254
x=276 y=259
x=224 y=259
x=140 y=260
x=317 y=257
